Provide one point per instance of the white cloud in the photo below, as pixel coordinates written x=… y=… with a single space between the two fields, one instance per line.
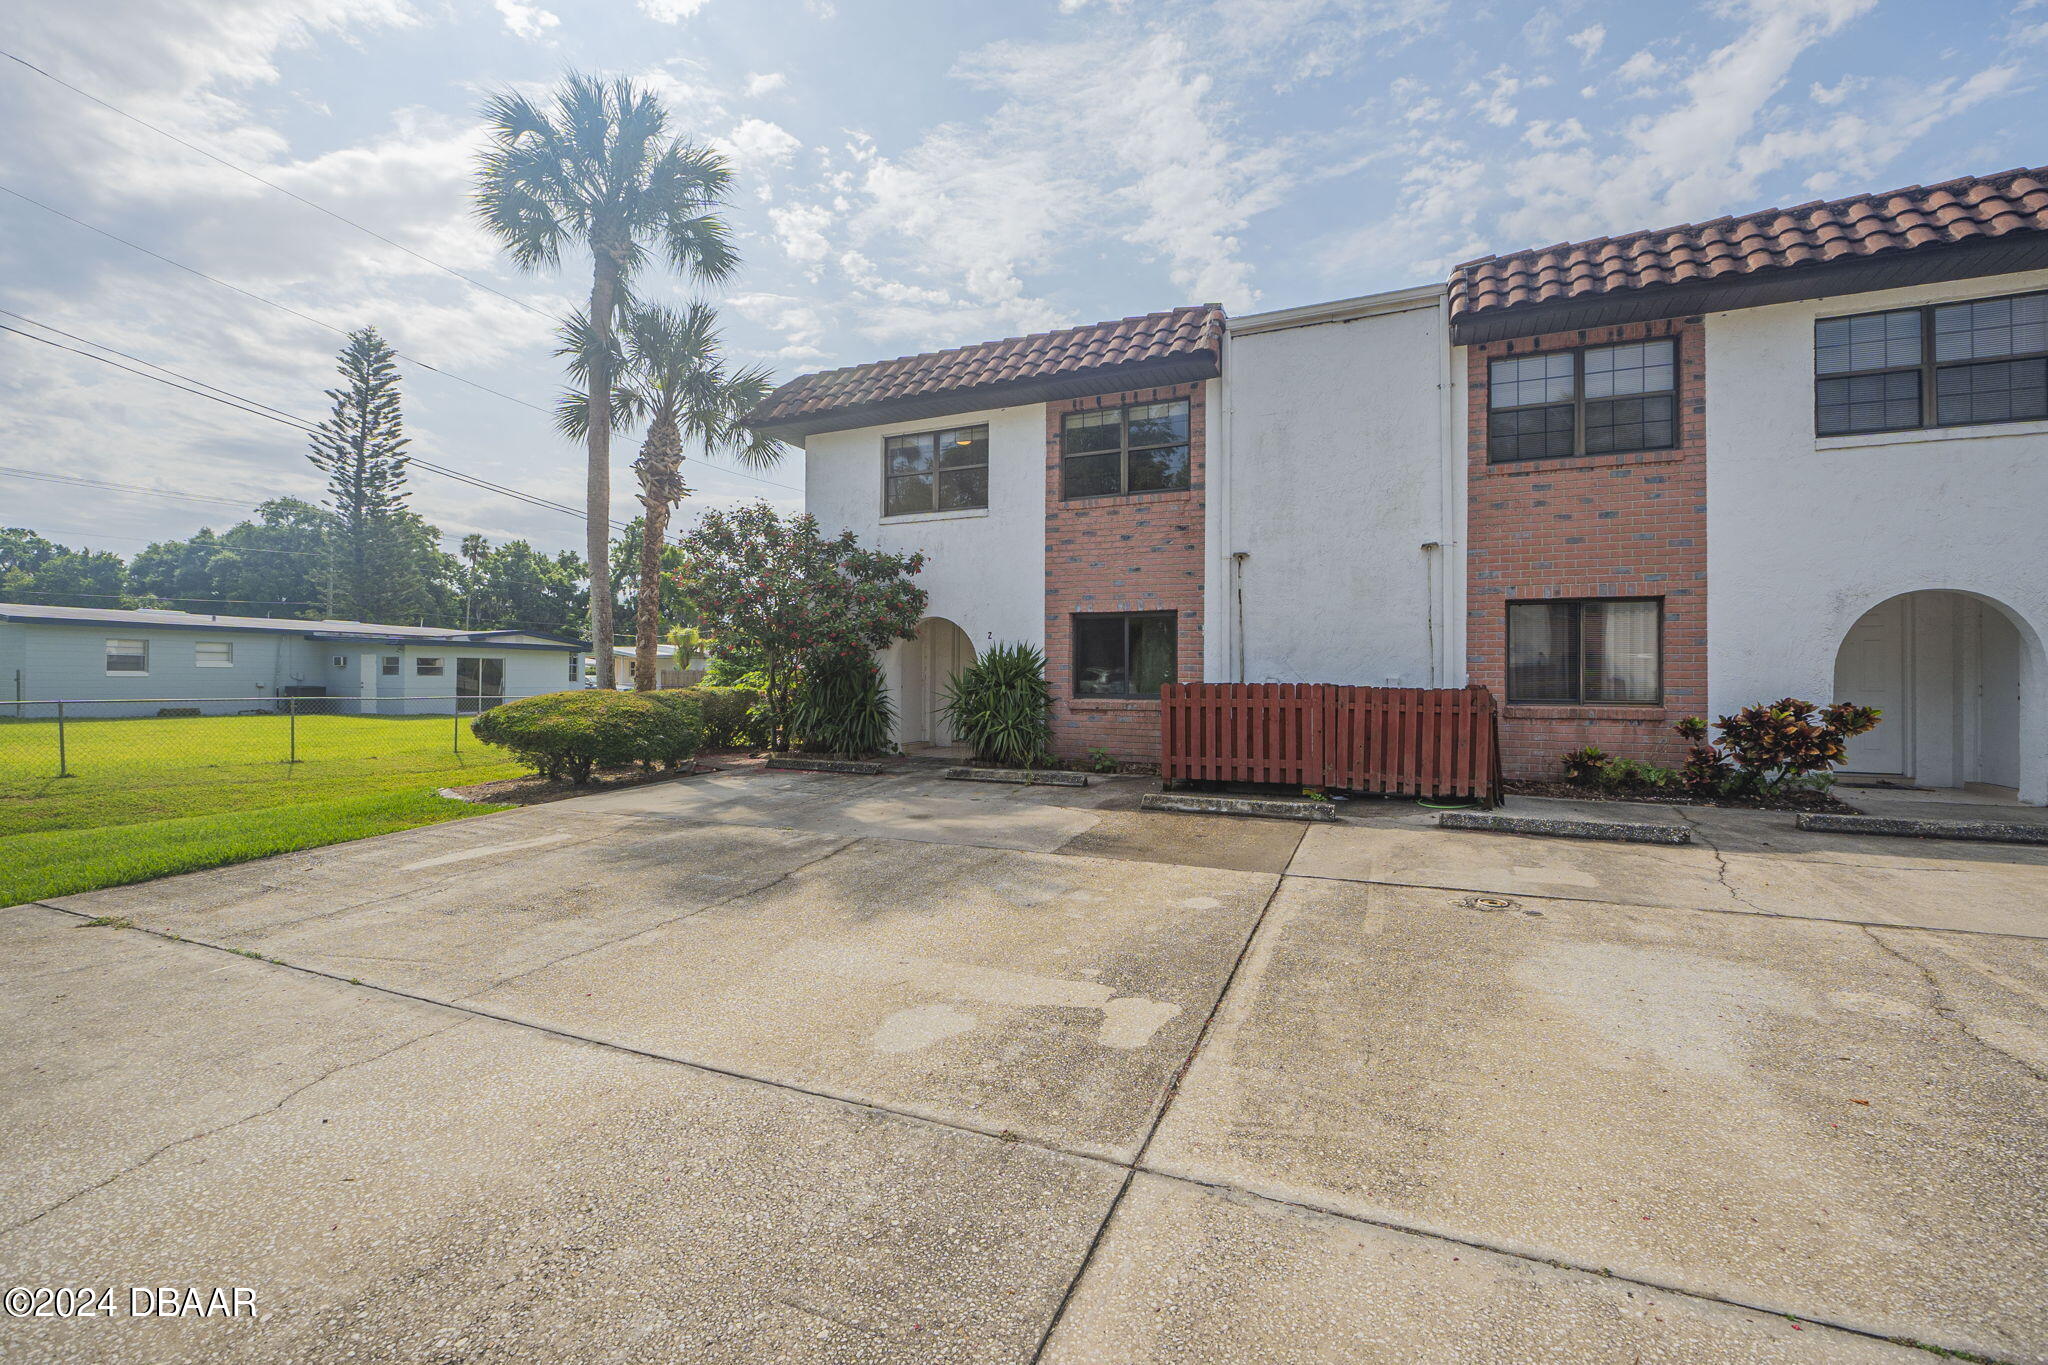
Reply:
x=1640 y=72
x=524 y=20
x=1542 y=133
x=671 y=11
x=756 y=144
x=761 y=83
x=1588 y=41
x=1733 y=132
x=800 y=231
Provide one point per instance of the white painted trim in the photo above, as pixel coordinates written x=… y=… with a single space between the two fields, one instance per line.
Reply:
x=1983 y=431
x=955 y=514
x=1340 y=310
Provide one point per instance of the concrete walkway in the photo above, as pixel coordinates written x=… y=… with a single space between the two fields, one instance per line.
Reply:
x=777 y=1066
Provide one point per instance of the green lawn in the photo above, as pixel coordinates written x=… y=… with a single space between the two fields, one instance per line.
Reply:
x=150 y=797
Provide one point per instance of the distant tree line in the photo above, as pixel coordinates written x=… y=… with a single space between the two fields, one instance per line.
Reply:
x=363 y=555
x=290 y=560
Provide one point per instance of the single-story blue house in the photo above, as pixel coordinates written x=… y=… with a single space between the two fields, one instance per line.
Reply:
x=137 y=662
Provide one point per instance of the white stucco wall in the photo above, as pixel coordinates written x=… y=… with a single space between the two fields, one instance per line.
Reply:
x=1338 y=470
x=1805 y=534
x=986 y=569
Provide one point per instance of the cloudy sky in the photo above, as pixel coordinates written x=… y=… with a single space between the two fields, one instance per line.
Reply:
x=912 y=175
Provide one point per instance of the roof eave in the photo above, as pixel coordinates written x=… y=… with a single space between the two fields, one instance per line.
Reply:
x=1777 y=284
x=1181 y=369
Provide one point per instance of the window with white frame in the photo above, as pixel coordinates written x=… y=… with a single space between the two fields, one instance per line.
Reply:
x=1943 y=365
x=389 y=667
x=427 y=666
x=1602 y=400
x=213 y=654
x=127 y=656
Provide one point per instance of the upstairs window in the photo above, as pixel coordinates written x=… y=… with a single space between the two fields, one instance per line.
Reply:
x=1139 y=448
x=214 y=654
x=1945 y=365
x=1599 y=401
x=1596 y=652
x=127 y=656
x=935 y=471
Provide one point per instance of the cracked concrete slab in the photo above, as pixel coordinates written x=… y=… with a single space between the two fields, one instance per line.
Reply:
x=1052 y=996
x=451 y=915
x=1189 y=840
x=1187 y=1274
x=917 y=806
x=435 y=1187
x=191 y=1038
x=1930 y=892
x=1841 y=1123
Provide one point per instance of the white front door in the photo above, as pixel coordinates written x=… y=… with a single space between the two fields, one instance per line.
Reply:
x=947 y=651
x=1998 y=700
x=1871 y=671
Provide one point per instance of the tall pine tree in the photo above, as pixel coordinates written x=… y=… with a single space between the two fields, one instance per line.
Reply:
x=361 y=448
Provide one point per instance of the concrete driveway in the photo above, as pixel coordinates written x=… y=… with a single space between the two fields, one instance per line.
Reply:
x=780 y=1067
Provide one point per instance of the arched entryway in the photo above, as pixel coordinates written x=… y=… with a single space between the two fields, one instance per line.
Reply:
x=937 y=653
x=1958 y=677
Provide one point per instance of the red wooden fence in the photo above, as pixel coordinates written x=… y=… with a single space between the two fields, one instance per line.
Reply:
x=1416 y=741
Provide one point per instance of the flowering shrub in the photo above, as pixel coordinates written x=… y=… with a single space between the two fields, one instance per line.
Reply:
x=774 y=591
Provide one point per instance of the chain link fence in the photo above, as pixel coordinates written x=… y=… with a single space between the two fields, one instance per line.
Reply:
x=144 y=743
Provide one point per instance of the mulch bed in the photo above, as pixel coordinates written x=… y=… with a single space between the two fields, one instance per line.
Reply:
x=1805 y=799
x=536 y=790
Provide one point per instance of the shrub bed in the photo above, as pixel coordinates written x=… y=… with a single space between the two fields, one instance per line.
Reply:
x=733 y=717
x=1001 y=705
x=565 y=735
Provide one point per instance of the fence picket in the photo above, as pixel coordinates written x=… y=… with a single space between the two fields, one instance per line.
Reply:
x=1418 y=741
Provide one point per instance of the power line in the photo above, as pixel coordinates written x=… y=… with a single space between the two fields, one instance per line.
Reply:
x=253 y=408
x=81 y=481
x=244 y=170
x=332 y=327
x=252 y=294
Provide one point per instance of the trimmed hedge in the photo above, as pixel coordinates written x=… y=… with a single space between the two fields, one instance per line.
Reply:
x=734 y=717
x=570 y=734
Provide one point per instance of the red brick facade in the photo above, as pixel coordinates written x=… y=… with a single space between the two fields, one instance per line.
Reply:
x=1133 y=552
x=1614 y=525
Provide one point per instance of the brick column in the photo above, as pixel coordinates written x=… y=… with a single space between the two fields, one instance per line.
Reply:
x=1133 y=552
x=1617 y=525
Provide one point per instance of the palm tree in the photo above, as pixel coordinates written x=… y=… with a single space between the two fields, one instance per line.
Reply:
x=594 y=165
x=678 y=380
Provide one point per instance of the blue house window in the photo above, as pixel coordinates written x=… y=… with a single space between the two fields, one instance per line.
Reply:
x=127 y=656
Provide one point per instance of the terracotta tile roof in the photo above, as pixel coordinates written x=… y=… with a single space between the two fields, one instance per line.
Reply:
x=1176 y=334
x=1973 y=208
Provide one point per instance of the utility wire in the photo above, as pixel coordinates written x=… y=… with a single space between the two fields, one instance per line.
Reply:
x=251 y=294
x=322 y=322
x=256 y=409
x=244 y=170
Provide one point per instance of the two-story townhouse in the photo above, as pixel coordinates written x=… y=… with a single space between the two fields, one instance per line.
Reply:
x=1795 y=452
x=1098 y=492
x=1617 y=482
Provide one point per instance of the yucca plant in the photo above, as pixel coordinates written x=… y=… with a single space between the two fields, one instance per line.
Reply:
x=842 y=707
x=1001 y=705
